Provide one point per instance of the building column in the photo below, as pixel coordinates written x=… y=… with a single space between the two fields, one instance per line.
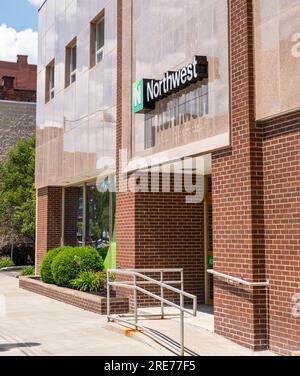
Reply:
x=48 y=222
x=238 y=202
x=71 y=215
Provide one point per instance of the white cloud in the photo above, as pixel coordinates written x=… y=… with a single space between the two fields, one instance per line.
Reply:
x=36 y=3
x=13 y=43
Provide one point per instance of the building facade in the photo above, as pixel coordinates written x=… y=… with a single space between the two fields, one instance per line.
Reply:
x=196 y=120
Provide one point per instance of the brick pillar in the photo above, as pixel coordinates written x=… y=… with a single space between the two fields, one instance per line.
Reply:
x=238 y=212
x=49 y=220
x=125 y=201
x=71 y=216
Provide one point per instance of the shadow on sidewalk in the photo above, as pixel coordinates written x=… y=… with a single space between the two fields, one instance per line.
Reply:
x=11 y=346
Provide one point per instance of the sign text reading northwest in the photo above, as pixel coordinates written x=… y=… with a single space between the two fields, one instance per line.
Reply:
x=147 y=92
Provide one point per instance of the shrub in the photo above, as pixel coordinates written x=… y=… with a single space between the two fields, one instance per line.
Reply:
x=46 y=273
x=89 y=281
x=27 y=271
x=68 y=264
x=5 y=262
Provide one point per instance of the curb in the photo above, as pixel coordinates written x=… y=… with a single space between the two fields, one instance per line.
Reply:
x=12 y=269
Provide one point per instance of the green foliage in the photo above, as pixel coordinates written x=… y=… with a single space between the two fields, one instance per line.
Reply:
x=27 y=271
x=67 y=265
x=46 y=272
x=5 y=262
x=17 y=191
x=98 y=213
x=89 y=281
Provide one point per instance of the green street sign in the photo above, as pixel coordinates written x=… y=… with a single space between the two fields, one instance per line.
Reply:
x=138 y=96
x=210 y=262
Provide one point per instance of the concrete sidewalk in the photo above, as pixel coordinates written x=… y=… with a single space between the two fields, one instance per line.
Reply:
x=31 y=324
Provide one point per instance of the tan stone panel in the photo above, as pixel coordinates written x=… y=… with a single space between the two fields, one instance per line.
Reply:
x=165 y=37
x=70 y=141
x=277 y=56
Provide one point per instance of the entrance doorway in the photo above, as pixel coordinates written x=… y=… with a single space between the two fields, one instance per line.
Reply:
x=208 y=240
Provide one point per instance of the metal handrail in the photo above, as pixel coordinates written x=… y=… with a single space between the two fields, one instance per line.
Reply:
x=238 y=280
x=155 y=271
x=151 y=281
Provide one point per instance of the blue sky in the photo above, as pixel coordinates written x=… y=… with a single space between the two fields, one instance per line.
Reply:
x=19 y=14
x=18 y=29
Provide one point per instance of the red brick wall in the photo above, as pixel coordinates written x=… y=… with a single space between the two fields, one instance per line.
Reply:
x=83 y=300
x=125 y=202
x=49 y=217
x=237 y=176
x=282 y=228
x=17 y=95
x=160 y=230
x=71 y=214
x=25 y=74
x=170 y=234
x=256 y=211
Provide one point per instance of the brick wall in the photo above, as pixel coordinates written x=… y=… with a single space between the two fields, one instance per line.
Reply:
x=89 y=302
x=17 y=95
x=282 y=228
x=237 y=175
x=25 y=74
x=256 y=211
x=125 y=202
x=17 y=120
x=49 y=218
x=71 y=214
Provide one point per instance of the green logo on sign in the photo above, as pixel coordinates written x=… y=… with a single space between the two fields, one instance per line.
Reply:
x=138 y=96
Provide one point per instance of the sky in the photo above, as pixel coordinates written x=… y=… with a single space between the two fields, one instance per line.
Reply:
x=18 y=29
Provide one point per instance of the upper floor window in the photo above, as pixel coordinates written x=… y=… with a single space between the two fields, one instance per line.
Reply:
x=71 y=62
x=50 y=81
x=97 y=39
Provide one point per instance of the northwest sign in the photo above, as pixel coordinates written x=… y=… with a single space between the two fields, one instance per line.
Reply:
x=146 y=92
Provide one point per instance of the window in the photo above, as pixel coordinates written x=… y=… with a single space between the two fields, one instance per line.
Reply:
x=97 y=40
x=50 y=81
x=71 y=63
x=90 y=220
x=193 y=103
x=100 y=41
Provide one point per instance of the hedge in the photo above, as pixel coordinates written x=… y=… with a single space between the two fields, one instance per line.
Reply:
x=67 y=265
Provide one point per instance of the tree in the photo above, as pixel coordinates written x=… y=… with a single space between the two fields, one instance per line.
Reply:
x=17 y=192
